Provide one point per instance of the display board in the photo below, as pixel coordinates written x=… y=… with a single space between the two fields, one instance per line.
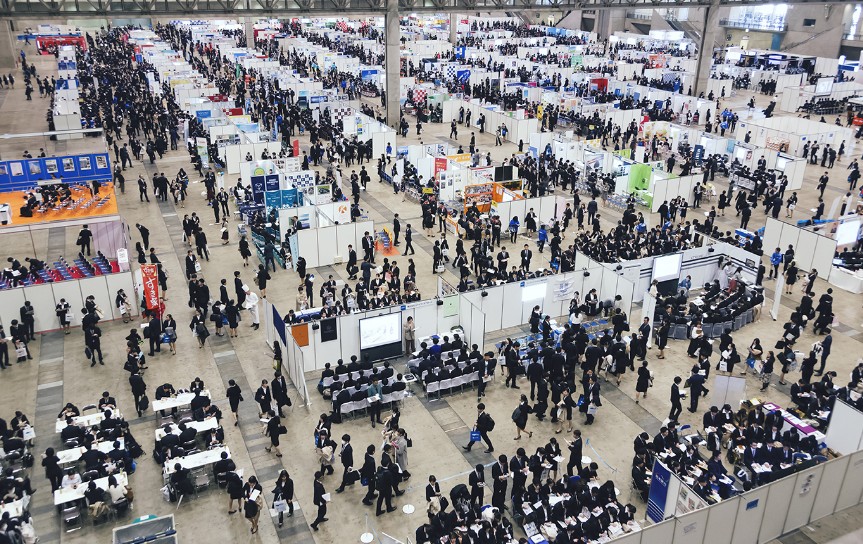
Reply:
x=667 y=267
x=23 y=174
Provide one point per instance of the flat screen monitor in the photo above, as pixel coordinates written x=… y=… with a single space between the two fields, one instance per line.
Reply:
x=667 y=267
x=380 y=330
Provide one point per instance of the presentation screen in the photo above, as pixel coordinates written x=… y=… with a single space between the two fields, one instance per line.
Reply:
x=824 y=85
x=847 y=232
x=667 y=267
x=381 y=330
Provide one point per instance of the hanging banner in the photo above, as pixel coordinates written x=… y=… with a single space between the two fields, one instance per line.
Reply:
x=150 y=279
x=439 y=165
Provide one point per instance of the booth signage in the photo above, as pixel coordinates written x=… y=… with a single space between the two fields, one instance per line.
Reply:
x=150 y=280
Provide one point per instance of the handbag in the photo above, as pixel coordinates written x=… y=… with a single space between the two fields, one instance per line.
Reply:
x=280 y=505
x=475 y=436
x=197 y=266
x=591 y=410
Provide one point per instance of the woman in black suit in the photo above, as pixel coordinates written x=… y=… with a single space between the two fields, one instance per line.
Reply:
x=284 y=491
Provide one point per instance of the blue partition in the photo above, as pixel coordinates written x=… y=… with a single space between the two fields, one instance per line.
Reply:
x=23 y=174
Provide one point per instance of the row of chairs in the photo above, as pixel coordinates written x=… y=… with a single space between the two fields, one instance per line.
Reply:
x=329 y=381
x=73 y=516
x=359 y=402
x=450 y=385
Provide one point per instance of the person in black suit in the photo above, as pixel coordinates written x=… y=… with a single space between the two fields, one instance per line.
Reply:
x=346 y=454
x=139 y=389
x=319 y=501
x=483 y=424
x=499 y=475
x=712 y=418
x=367 y=473
x=676 y=405
x=368 y=247
x=476 y=480
x=574 y=452
x=154 y=334
x=280 y=392
x=517 y=466
x=351 y=267
x=526 y=256
x=408 y=239
x=264 y=397
x=384 y=482
x=484 y=368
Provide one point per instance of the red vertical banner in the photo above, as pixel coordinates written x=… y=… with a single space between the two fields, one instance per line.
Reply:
x=439 y=165
x=296 y=148
x=150 y=279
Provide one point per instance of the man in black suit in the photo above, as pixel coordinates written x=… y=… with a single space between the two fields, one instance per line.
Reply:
x=483 y=424
x=499 y=475
x=368 y=247
x=676 y=405
x=264 y=397
x=408 y=238
x=517 y=466
x=280 y=392
x=319 y=501
x=397 y=227
x=347 y=456
x=526 y=256
x=351 y=267
x=187 y=434
x=367 y=473
x=154 y=334
x=484 y=369
x=713 y=418
x=476 y=480
x=139 y=389
x=574 y=452
x=384 y=481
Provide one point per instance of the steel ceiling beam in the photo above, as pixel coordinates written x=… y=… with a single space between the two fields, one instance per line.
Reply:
x=54 y=9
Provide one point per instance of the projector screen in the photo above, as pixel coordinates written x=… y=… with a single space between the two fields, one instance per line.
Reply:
x=380 y=330
x=824 y=85
x=667 y=267
x=847 y=232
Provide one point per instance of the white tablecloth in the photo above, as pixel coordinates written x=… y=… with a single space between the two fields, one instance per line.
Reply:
x=196 y=459
x=207 y=425
x=175 y=402
x=69 y=494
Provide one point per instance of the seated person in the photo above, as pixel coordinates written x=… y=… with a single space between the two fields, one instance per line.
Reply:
x=223 y=465
x=166 y=391
x=93 y=459
x=107 y=401
x=119 y=455
x=181 y=480
x=70 y=410
x=187 y=434
x=95 y=496
x=197 y=385
x=71 y=431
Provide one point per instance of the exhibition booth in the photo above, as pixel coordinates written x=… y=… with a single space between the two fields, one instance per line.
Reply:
x=790 y=134
x=326 y=232
x=518 y=127
x=812 y=250
x=825 y=88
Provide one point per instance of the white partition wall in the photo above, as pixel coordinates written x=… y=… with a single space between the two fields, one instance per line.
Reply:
x=12 y=300
x=98 y=289
x=803 y=498
x=750 y=511
x=828 y=490
x=851 y=492
x=720 y=519
x=42 y=299
x=845 y=433
x=115 y=282
x=321 y=246
x=690 y=528
x=811 y=249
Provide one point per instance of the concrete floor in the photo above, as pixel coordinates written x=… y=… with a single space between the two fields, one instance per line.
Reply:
x=59 y=372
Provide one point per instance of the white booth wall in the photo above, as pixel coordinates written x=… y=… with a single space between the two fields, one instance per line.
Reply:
x=325 y=246
x=45 y=298
x=811 y=250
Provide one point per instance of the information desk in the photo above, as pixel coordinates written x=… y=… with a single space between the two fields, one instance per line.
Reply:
x=70 y=494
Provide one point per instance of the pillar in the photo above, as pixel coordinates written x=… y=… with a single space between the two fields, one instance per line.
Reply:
x=249 y=29
x=453 y=28
x=8 y=46
x=393 y=62
x=705 y=48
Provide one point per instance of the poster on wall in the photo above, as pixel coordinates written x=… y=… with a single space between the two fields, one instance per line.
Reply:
x=329 y=330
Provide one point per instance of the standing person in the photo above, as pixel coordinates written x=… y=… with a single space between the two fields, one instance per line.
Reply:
x=346 y=455
x=643 y=382
x=408 y=238
x=397 y=227
x=154 y=334
x=499 y=476
x=139 y=390
x=367 y=473
x=145 y=235
x=53 y=472
x=476 y=480
x=676 y=405
x=93 y=342
x=253 y=507
x=696 y=388
x=384 y=484
x=264 y=397
x=280 y=391
x=251 y=303
x=591 y=399
x=826 y=345
x=575 y=454
x=244 y=250
x=274 y=430
x=319 y=500
x=284 y=491
x=235 y=397
x=373 y=393
x=767 y=370
x=28 y=320
x=62 y=311
x=519 y=417
x=84 y=237
x=410 y=335
x=484 y=425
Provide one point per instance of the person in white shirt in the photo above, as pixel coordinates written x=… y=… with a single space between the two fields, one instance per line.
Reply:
x=71 y=479
x=251 y=304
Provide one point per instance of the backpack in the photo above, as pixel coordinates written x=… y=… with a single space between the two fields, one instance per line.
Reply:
x=144 y=403
x=380 y=479
x=490 y=423
x=516 y=413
